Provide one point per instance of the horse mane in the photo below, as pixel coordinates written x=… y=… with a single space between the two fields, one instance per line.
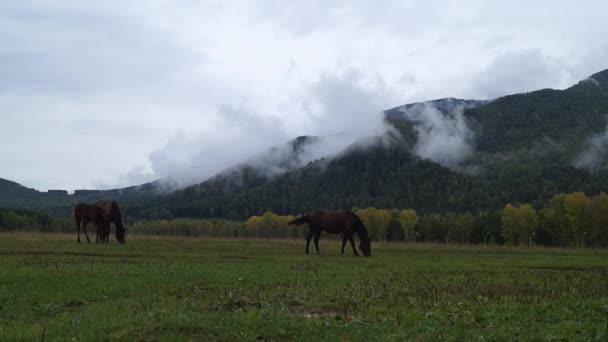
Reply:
x=360 y=227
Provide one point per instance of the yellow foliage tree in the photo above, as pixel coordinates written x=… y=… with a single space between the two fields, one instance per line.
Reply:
x=577 y=209
x=518 y=223
x=376 y=221
x=408 y=218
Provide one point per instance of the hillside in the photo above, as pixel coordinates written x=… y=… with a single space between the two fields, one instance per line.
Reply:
x=524 y=148
x=564 y=117
x=375 y=175
x=14 y=195
x=447 y=106
x=518 y=148
x=254 y=171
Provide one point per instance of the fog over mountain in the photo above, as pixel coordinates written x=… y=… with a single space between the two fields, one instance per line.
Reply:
x=341 y=110
x=443 y=134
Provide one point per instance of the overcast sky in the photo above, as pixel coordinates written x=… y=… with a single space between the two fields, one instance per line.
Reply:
x=101 y=94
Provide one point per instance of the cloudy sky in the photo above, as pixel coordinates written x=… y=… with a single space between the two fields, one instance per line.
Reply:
x=101 y=94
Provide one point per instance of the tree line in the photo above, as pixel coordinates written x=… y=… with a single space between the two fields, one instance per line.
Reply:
x=566 y=220
x=27 y=220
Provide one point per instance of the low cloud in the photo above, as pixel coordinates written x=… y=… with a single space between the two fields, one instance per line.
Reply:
x=442 y=138
x=238 y=134
x=338 y=109
x=595 y=152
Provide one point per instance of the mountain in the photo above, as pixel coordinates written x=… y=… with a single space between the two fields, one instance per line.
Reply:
x=566 y=117
x=14 y=195
x=446 y=106
x=519 y=148
x=443 y=155
x=384 y=173
x=380 y=175
x=256 y=170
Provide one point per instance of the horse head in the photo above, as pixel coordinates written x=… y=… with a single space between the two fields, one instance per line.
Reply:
x=305 y=218
x=121 y=232
x=366 y=246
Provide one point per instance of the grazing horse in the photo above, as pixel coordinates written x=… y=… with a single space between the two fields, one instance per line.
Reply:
x=112 y=214
x=87 y=213
x=336 y=222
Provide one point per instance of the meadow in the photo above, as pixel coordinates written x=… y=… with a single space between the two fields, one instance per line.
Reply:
x=171 y=288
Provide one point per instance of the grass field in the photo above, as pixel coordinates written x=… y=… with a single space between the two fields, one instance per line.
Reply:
x=195 y=289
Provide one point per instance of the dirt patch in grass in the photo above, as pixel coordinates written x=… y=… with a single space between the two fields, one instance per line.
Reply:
x=89 y=254
x=236 y=257
x=569 y=268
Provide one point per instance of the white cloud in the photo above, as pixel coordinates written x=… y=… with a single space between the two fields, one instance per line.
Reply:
x=594 y=152
x=443 y=138
x=341 y=108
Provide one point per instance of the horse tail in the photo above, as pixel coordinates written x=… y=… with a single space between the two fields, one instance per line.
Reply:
x=361 y=230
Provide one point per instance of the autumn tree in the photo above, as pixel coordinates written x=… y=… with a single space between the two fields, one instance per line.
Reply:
x=577 y=212
x=409 y=221
x=518 y=223
x=376 y=221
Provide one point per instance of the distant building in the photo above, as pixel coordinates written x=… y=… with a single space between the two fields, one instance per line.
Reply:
x=58 y=192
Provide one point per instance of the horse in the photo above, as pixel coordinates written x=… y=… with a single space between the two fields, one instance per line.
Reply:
x=87 y=213
x=336 y=222
x=112 y=214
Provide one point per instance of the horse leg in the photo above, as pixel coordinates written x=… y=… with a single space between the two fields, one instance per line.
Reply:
x=78 y=229
x=108 y=231
x=317 y=236
x=97 y=233
x=310 y=233
x=344 y=238
x=102 y=233
x=84 y=228
x=352 y=243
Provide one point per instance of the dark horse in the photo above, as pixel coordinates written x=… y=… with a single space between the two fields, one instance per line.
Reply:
x=112 y=214
x=336 y=222
x=101 y=214
x=87 y=213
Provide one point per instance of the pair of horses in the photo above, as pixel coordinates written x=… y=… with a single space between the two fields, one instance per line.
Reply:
x=101 y=214
x=335 y=222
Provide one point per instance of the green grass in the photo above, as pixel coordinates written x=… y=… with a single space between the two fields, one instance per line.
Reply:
x=197 y=289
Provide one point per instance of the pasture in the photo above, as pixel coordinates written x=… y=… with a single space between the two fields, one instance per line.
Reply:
x=157 y=288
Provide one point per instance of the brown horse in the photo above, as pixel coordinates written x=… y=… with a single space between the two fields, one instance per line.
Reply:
x=87 y=213
x=336 y=222
x=112 y=214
